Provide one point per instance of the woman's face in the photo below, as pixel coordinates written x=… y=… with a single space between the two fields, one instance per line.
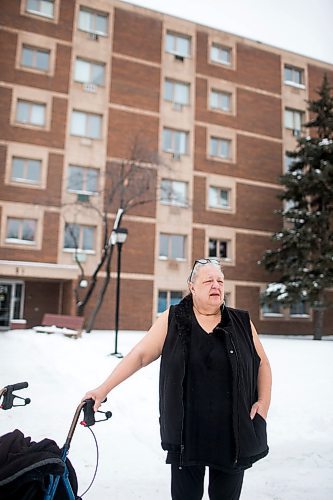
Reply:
x=208 y=287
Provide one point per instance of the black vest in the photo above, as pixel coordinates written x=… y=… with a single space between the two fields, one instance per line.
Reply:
x=249 y=435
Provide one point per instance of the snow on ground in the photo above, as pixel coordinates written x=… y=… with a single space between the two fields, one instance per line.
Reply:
x=60 y=370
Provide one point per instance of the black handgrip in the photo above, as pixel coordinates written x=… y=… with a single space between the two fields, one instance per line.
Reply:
x=19 y=385
x=88 y=413
x=9 y=396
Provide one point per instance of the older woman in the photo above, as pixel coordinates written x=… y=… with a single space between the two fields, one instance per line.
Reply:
x=215 y=384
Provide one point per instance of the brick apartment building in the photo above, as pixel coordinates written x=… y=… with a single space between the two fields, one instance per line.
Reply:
x=80 y=82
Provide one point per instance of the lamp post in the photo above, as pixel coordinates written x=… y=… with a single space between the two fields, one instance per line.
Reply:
x=118 y=236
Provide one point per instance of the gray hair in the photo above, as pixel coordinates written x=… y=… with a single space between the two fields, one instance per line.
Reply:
x=198 y=264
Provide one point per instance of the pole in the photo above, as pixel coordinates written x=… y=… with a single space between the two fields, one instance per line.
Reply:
x=116 y=321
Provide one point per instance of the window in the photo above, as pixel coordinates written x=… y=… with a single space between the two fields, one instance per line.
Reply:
x=299 y=309
x=174 y=192
x=83 y=179
x=172 y=246
x=177 y=44
x=167 y=299
x=218 y=197
x=21 y=230
x=31 y=113
x=86 y=124
x=220 y=148
x=35 y=58
x=177 y=92
x=293 y=119
x=272 y=309
x=220 y=100
x=220 y=54
x=26 y=170
x=89 y=72
x=79 y=237
x=175 y=141
x=93 y=22
x=41 y=7
x=293 y=76
x=218 y=248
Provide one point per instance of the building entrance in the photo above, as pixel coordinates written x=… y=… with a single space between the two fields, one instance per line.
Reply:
x=11 y=302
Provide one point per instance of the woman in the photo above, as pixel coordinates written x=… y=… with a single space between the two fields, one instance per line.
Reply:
x=215 y=385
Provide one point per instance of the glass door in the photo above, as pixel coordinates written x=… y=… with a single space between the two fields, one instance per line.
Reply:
x=5 y=303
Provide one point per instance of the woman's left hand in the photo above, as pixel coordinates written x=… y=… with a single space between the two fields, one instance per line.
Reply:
x=259 y=407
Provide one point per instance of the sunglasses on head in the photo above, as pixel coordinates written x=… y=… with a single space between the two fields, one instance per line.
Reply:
x=203 y=261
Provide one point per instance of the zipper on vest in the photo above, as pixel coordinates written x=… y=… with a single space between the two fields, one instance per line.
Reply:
x=237 y=396
x=182 y=446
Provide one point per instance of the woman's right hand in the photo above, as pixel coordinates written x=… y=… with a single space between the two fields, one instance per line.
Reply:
x=98 y=395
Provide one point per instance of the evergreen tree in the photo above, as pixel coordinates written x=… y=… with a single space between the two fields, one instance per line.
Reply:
x=303 y=254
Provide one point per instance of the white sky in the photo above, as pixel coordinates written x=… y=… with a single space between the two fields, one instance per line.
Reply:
x=302 y=26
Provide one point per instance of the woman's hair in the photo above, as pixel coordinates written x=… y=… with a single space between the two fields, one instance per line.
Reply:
x=198 y=264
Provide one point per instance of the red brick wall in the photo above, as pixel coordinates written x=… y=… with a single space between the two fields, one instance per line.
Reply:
x=40 y=298
x=11 y=18
x=138 y=250
x=135 y=311
x=255 y=207
x=135 y=85
x=126 y=130
x=249 y=250
x=137 y=35
x=248 y=298
x=256 y=159
x=254 y=67
x=58 y=82
x=198 y=244
x=256 y=113
x=140 y=186
x=315 y=76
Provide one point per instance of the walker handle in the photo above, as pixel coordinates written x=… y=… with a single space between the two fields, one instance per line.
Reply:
x=8 y=396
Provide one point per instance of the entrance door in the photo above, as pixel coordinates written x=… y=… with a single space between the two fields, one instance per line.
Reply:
x=6 y=290
x=11 y=302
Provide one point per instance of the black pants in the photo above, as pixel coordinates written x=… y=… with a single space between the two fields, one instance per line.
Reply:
x=188 y=483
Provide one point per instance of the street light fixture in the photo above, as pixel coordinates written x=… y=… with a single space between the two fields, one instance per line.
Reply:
x=118 y=236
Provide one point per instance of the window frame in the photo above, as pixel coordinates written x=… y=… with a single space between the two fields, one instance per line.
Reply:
x=218 y=246
x=26 y=180
x=173 y=133
x=31 y=104
x=219 y=93
x=268 y=313
x=292 y=82
x=91 y=64
x=294 y=112
x=219 y=207
x=21 y=240
x=80 y=248
x=171 y=200
x=168 y=298
x=176 y=37
x=221 y=47
x=39 y=12
x=220 y=141
x=35 y=51
x=85 y=171
x=176 y=104
x=87 y=115
x=170 y=237
x=95 y=13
